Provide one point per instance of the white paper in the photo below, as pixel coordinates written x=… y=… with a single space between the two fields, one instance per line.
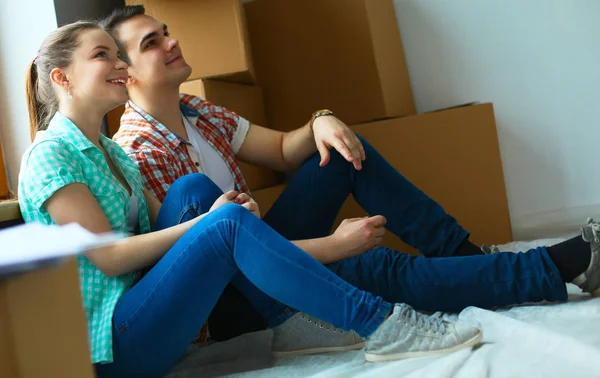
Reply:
x=27 y=246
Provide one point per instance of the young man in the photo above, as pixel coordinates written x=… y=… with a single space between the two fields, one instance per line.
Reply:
x=171 y=135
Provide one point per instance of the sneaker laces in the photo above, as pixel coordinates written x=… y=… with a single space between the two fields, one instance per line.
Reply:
x=321 y=324
x=434 y=322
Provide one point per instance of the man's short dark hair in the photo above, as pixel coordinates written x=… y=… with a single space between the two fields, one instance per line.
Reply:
x=118 y=16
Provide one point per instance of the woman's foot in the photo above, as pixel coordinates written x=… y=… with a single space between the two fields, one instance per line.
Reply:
x=589 y=281
x=303 y=334
x=408 y=333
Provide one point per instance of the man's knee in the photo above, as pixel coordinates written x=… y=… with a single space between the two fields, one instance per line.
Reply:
x=195 y=181
x=198 y=188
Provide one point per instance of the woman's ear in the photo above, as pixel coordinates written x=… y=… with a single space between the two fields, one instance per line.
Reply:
x=59 y=78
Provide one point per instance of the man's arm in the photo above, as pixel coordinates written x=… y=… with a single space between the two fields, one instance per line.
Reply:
x=277 y=150
x=287 y=151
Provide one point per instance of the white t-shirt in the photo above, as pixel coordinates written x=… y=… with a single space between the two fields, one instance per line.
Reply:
x=207 y=159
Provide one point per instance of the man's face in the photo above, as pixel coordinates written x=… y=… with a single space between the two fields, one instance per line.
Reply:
x=155 y=59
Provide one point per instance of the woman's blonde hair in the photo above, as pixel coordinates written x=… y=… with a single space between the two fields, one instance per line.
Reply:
x=56 y=52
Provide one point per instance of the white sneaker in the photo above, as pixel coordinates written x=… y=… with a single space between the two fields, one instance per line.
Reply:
x=408 y=333
x=589 y=281
x=303 y=334
x=489 y=250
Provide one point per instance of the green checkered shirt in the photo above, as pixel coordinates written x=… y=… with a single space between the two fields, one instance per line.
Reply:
x=60 y=156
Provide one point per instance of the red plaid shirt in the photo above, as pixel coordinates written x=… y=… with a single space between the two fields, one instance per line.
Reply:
x=163 y=157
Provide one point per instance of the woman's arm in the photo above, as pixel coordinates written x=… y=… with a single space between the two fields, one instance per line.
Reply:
x=75 y=203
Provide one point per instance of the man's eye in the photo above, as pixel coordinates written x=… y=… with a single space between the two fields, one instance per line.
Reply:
x=150 y=43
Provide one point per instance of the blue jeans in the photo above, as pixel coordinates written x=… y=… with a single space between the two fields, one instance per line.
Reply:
x=308 y=208
x=157 y=318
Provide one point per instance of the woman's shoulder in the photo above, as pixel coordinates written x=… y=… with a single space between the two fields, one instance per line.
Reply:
x=47 y=146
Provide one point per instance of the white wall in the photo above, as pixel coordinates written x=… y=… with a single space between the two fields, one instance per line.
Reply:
x=538 y=61
x=23 y=26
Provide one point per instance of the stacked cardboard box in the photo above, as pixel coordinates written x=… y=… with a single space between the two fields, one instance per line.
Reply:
x=344 y=55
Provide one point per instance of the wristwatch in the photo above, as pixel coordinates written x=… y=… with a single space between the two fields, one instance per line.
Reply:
x=319 y=113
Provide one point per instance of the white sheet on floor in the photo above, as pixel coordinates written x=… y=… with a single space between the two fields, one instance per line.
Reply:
x=538 y=340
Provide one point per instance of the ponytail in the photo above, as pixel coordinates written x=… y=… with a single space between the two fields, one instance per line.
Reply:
x=33 y=105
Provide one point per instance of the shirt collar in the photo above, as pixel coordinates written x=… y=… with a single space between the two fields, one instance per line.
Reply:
x=62 y=125
x=172 y=139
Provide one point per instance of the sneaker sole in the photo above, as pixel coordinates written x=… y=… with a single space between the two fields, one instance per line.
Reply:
x=400 y=356
x=305 y=352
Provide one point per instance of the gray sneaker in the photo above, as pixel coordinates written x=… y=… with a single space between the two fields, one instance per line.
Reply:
x=589 y=281
x=408 y=333
x=303 y=334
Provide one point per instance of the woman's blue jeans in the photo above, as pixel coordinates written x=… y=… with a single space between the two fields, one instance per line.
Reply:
x=157 y=318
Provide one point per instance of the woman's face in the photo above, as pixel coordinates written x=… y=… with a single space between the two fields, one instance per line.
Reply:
x=97 y=76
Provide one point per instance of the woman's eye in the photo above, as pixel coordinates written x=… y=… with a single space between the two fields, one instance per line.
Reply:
x=101 y=54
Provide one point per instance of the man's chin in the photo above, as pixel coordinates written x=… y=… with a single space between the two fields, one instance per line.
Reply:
x=183 y=75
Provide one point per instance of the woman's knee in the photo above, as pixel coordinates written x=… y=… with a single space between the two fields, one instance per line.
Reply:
x=232 y=211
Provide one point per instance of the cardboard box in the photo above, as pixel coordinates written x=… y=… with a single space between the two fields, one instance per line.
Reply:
x=3 y=180
x=454 y=157
x=344 y=55
x=248 y=102
x=266 y=197
x=43 y=331
x=212 y=34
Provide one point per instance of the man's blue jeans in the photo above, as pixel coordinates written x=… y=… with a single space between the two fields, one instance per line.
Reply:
x=310 y=203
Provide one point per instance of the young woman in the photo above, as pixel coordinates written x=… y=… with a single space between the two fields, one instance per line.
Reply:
x=139 y=325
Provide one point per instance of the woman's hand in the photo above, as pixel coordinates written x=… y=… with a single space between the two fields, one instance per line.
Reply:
x=358 y=235
x=224 y=199
x=248 y=203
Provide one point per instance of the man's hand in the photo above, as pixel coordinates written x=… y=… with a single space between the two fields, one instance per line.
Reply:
x=248 y=203
x=358 y=235
x=224 y=199
x=331 y=132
